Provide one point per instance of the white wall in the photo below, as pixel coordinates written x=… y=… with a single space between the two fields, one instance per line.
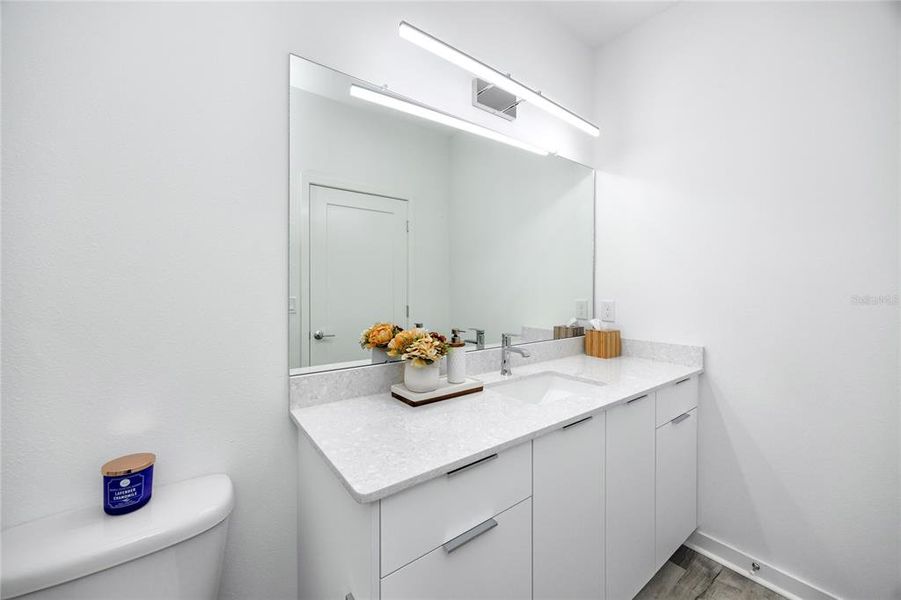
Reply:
x=749 y=190
x=521 y=238
x=144 y=251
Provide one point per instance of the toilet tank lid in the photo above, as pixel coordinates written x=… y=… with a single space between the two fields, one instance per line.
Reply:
x=73 y=544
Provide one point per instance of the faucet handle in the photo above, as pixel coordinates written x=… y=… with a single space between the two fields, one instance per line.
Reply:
x=507 y=337
x=477 y=330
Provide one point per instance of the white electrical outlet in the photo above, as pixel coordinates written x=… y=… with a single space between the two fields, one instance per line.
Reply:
x=582 y=308
x=608 y=311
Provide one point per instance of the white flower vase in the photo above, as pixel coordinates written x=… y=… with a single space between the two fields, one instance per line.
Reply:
x=379 y=356
x=421 y=379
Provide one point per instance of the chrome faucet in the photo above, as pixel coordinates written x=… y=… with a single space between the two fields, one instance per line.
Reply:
x=506 y=348
x=480 y=338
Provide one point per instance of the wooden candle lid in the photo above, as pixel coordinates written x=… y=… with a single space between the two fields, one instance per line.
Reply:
x=128 y=464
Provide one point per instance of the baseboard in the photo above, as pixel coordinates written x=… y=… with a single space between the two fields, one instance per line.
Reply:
x=768 y=576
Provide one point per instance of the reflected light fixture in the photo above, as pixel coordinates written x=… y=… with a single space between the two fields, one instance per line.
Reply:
x=493 y=76
x=430 y=114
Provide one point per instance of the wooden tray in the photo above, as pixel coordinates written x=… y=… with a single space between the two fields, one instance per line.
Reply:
x=445 y=390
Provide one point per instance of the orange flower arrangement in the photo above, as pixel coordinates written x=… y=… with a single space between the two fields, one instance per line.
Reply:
x=378 y=336
x=403 y=338
x=419 y=346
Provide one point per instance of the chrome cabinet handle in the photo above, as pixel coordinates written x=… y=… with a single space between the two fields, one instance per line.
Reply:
x=588 y=418
x=319 y=334
x=466 y=537
x=680 y=418
x=472 y=464
x=636 y=399
x=682 y=381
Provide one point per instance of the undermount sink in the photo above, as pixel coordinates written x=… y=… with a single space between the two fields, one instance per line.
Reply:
x=547 y=386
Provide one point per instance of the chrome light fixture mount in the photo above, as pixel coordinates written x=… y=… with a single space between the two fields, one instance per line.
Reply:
x=494 y=100
x=387 y=99
x=490 y=75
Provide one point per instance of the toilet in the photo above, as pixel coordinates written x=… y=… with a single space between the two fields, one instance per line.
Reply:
x=171 y=549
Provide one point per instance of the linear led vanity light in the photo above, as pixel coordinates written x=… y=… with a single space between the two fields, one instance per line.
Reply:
x=431 y=114
x=493 y=76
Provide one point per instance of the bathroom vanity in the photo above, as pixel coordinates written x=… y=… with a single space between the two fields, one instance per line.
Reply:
x=574 y=478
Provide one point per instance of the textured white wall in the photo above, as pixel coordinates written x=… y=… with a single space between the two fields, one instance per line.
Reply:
x=749 y=189
x=144 y=251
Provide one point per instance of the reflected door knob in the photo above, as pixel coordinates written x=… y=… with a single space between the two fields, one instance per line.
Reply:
x=319 y=334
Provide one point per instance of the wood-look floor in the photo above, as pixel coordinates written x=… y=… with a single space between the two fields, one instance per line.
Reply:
x=688 y=575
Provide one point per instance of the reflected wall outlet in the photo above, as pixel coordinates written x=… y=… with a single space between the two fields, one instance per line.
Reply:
x=582 y=308
x=608 y=311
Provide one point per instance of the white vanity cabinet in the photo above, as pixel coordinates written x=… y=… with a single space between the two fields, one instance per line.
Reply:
x=590 y=509
x=630 y=545
x=677 y=467
x=494 y=562
x=652 y=478
x=568 y=511
x=464 y=534
x=676 y=399
x=422 y=518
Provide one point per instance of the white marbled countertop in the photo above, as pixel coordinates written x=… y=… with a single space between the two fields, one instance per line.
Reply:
x=378 y=445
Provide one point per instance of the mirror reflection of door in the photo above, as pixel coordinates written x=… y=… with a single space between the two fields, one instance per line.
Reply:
x=358 y=270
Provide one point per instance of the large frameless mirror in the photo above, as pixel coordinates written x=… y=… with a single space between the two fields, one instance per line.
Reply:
x=398 y=219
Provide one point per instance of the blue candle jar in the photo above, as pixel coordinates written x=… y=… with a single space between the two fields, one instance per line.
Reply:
x=127 y=483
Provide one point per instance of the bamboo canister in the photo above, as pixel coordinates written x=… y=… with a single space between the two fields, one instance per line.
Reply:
x=603 y=344
x=567 y=331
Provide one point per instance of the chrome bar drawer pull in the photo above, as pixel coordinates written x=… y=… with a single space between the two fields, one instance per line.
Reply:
x=636 y=399
x=682 y=381
x=588 y=418
x=680 y=418
x=465 y=538
x=472 y=464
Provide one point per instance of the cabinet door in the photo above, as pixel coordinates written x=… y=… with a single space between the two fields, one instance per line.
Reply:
x=630 y=498
x=676 y=399
x=421 y=518
x=494 y=564
x=568 y=512
x=677 y=483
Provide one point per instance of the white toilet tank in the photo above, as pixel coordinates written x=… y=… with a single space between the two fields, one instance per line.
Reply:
x=171 y=549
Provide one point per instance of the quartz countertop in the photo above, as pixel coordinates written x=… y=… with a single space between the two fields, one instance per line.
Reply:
x=378 y=446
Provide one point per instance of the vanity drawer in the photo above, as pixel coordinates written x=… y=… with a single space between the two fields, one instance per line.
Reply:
x=676 y=399
x=495 y=564
x=420 y=519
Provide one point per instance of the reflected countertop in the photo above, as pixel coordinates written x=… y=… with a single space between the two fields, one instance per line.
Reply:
x=378 y=446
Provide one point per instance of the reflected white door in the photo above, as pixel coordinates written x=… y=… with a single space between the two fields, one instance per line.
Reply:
x=358 y=269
